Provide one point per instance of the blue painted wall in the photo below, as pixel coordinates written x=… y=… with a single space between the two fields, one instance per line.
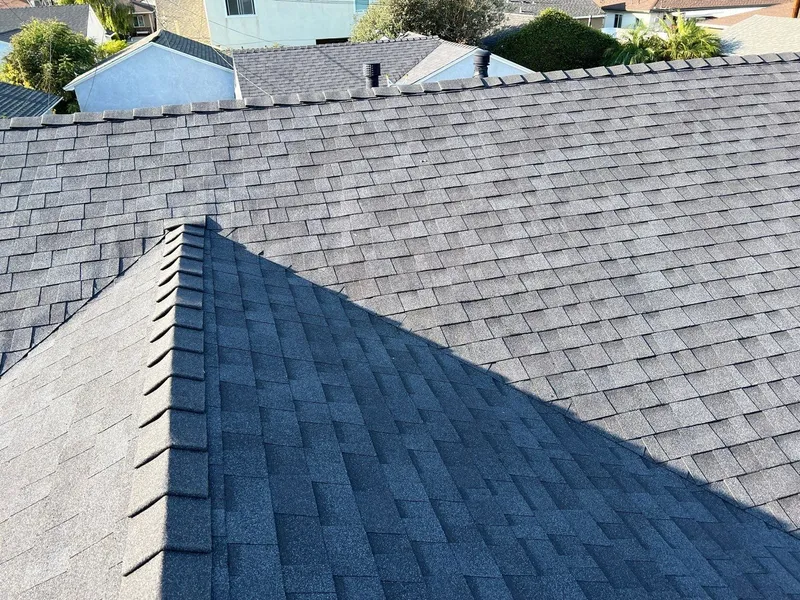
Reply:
x=154 y=76
x=466 y=67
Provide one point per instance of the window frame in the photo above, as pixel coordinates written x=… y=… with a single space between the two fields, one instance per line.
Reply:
x=240 y=6
x=618 y=18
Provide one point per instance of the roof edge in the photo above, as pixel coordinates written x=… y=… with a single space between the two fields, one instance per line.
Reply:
x=336 y=96
x=168 y=547
x=236 y=51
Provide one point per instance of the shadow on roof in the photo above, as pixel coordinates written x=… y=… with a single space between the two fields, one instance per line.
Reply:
x=353 y=458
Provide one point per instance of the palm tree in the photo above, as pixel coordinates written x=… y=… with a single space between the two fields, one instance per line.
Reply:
x=686 y=39
x=639 y=45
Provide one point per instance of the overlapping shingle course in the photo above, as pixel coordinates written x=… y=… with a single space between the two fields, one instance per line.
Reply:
x=623 y=246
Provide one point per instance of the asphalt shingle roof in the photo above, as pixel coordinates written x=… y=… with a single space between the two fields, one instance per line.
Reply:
x=574 y=8
x=192 y=48
x=293 y=69
x=75 y=16
x=515 y=310
x=761 y=33
x=18 y=101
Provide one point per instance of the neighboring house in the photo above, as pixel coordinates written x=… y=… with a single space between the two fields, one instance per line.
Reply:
x=80 y=18
x=624 y=14
x=161 y=69
x=526 y=338
x=585 y=11
x=144 y=17
x=762 y=35
x=259 y=23
x=18 y=101
x=408 y=59
x=777 y=10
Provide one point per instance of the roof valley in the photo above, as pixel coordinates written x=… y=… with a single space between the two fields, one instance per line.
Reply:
x=169 y=528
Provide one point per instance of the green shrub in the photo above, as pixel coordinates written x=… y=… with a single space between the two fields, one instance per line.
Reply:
x=45 y=56
x=554 y=41
x=463 y=21
x=110 y=48
x=639 y=44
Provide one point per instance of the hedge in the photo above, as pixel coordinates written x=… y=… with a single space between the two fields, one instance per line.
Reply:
x=555 y=41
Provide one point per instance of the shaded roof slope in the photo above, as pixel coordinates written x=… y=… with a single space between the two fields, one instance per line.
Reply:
x=75 y=16
x=67 y=433
x=625 y=245
x=761 y=34
x=354 y=459
x=192 y=48
x=18 y=101
x=294 y=69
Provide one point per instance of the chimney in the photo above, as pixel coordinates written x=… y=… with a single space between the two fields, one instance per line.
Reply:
x=372 y=75
x=481 y=60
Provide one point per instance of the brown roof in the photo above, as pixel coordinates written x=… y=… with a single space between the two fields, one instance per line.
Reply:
x=668 y=5
x=778 y=10
x=14 y=4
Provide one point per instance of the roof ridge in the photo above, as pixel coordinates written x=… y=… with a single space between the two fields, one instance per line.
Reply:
x=169 y=528
x=236 y=51
x=335 y=96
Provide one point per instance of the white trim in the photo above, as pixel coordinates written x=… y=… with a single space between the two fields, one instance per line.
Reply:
x=126 y=55
x=462 y=57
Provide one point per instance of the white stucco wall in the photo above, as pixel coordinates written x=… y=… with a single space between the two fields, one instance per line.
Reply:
x=95 y=31
x=629 y=18
x=5 y=48
x=154 y=76
x=465 y=68
x=288 y=23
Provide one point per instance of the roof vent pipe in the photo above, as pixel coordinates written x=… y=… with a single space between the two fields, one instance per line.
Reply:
x=372 y=75
x=481 y=61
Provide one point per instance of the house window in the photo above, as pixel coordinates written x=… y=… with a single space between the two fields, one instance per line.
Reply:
x=617 y=21
x=240 y=7
x=138 y=21
x=362 y=5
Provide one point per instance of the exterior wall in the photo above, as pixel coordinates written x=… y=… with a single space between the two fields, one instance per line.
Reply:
x=154 y=76
x=280 y=22
x=465 y=68
x=186 y=18
x=95 y=31
x=149 y=22
x=629 y=18
x=5 y=48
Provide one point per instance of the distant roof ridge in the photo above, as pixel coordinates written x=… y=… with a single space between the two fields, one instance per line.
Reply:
x=334 y=45
x=335 y=96
x=169 y=525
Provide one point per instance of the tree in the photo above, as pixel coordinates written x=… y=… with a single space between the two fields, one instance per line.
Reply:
x=555 y=41
x=114 y=15
x=109 y=48
x=680 y=39
x=463 y=21
x=638 y=45
x=46 y=55
x=686 y=39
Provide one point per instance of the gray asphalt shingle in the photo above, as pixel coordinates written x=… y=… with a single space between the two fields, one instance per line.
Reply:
x=18 y=101
x=623 y=246
x=294 y=69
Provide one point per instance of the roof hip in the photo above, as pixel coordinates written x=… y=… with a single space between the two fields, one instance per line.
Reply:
x=169 y=526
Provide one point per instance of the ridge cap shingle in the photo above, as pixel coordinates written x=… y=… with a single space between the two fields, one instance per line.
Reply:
x=454 y=85
x=169 y=525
